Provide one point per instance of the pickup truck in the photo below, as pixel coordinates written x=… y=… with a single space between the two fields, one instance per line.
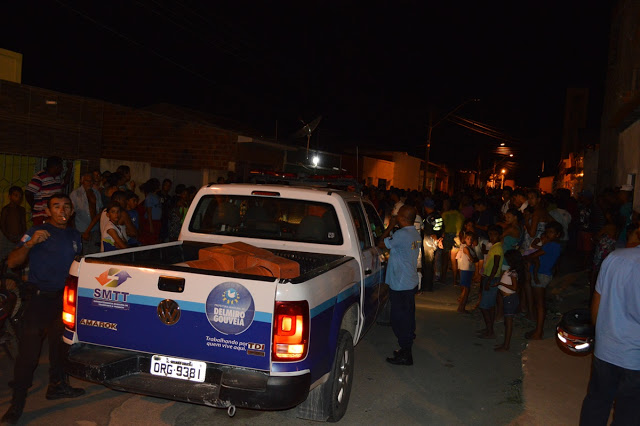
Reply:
x=258 y=305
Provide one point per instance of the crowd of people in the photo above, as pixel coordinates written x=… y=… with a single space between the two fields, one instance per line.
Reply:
x=507 y=242
x=108 y=212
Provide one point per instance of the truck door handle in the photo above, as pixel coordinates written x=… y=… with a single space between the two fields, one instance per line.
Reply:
x=173 y=284
x=367 y=271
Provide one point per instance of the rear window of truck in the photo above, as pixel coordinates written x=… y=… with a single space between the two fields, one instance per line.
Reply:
x=267 y=217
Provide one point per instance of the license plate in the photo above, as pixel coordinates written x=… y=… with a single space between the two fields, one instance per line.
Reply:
x=178 y=368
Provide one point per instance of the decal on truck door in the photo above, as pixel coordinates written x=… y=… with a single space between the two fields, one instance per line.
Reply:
x=230 y=308
x=112 y=277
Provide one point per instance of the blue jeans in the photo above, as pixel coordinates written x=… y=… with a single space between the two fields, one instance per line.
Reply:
x=403 y=316
x=608 y=383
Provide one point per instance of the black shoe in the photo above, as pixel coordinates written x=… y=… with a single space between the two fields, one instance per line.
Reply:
x=401 y=357
x=13 y=413
x=63 y=390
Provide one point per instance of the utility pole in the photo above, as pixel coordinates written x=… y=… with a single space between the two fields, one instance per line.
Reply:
x=426 y=156
x=430 y=130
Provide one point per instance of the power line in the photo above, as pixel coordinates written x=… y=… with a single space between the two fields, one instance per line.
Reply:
x=484 y=126
x=478 y=130
x=137 y=43
x=189 y=70
x=189 y=28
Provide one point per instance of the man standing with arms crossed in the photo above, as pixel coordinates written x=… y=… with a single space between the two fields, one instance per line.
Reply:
x=50 y=249
x=402 y=277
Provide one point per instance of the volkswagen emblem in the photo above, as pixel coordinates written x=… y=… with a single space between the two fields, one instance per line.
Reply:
x=168 y=312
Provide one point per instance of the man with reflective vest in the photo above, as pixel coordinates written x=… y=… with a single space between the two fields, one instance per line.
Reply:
x=431 y=244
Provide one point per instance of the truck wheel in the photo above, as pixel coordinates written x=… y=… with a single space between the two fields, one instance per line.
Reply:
x=341 y=378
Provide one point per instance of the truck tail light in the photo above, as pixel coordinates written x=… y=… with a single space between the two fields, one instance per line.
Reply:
x=69 y=302
x=290 y=331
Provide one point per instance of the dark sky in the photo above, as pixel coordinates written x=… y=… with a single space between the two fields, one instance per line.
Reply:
x=372 y=71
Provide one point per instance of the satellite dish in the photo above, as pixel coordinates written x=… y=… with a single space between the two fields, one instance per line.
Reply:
x=307 y=130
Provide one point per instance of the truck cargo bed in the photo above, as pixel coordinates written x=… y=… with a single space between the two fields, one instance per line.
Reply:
x=173 y=256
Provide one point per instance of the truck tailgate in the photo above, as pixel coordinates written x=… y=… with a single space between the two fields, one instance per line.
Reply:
x=199 y=316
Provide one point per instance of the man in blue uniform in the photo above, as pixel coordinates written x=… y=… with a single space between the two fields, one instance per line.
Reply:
x=402 y=277
x=615 y=374
x=50 y=249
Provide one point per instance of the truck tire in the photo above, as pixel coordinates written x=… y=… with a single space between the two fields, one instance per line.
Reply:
x=328 y=402
x=338 y=387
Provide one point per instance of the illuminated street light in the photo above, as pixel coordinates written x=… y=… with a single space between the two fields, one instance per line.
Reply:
x=315 y=160
x=503 y=171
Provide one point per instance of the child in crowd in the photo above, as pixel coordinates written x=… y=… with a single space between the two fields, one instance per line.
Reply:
x=13 y=222
x=547 y=257
x=466 y=265
x=177 y=212
x=452 y=220
x=536 y=245
x=484 y=246
x=492 y=273
x=112 y=236
x=151 y=214
x=508 y=287
x=132 y=201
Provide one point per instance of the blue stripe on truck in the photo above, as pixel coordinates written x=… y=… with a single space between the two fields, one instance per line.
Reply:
x=136 y=299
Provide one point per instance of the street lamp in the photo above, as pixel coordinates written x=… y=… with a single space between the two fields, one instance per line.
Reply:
x=431 y=126
x=502 y=172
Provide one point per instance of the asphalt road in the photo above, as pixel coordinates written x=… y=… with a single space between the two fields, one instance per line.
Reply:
x=456 y=379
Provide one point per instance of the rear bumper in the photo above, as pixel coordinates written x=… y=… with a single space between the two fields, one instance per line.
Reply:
x=223 y=386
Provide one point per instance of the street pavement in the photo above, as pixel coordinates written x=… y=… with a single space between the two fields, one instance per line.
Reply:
x=457 y=379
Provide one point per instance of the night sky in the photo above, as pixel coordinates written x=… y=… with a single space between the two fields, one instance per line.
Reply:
x=372 y=70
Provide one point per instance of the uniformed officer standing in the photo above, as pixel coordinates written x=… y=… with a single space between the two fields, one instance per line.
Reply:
x=50 y=249
x=431 y=244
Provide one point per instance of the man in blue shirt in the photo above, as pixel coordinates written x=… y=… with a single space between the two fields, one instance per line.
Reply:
x=615 y=372
x=402 y=277
x=50 y=249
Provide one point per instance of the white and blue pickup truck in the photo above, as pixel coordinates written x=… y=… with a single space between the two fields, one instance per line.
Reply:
x=258 y=305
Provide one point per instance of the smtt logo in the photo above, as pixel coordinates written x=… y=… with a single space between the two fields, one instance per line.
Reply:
x=113 y=277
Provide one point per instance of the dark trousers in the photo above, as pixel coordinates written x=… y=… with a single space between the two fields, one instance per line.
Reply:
x=428 y=264
x=403 y=316
x=42 y=318
x=608 y=383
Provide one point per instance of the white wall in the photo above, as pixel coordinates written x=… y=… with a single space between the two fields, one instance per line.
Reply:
x=140 y=172
x=629 y=160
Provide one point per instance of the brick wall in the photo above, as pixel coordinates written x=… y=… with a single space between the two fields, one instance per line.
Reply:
x=138 y=135
x=41 y=123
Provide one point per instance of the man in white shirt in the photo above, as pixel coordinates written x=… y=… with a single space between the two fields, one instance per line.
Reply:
x=87 y=202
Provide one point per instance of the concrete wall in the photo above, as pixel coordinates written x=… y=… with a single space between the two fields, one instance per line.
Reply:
x=406 y=173
x=10 y=66
x=374 y=169
x=622 y=86
x=628 y=163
